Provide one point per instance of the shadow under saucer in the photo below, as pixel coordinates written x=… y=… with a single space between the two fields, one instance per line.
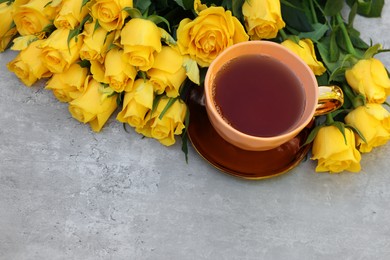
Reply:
x=253 y=165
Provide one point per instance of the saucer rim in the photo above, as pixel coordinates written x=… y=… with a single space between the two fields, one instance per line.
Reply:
x=296 y=160
x=302 y=154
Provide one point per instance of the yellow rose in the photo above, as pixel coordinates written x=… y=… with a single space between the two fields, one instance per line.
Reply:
x=171 y=124
x=93 y=107
x=141 y=39
x=57 y=53
x=305 y=50
x=198 y=6
x=373 y=121
x=211 y=32
x=32 y=17
x=262 y=18
x=136 y=104
x=68 y=85
x=27 y=65
x=7 y=27
x=110 y=13
x=95 y=43
x=70 y=14
x=369 y=77
x=21 y=42
x=167 y=73
x=332 y=153
x=115 y=71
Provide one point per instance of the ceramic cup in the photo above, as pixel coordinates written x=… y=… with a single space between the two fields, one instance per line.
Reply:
x=319 y=100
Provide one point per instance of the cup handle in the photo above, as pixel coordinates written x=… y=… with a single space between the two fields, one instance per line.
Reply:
x=330 y=99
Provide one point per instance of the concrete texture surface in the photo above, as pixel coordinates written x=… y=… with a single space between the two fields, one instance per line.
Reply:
x=69 y=193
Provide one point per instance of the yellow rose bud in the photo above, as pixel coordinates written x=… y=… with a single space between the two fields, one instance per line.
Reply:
x=369 y=77
x=171 y=124
x=305 y=50
x=7 y=28
x=141 y=39
x=70 y=14
x=28 y=66
x=57 y=53
x=333 y=153
x=136 y=104
x=373 y=121
x=97 y=71
x=21 y=42
x=117 y=72
x=93 y=107
x=167 y=73
x=110 y=13
x=68 y=85
x=211 y=32
x=263 y=18
x=96 y=42
x=32 y=17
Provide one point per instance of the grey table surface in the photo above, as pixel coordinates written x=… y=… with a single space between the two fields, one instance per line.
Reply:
x=69 y=193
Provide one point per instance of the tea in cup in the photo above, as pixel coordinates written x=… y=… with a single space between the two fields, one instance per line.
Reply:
x=260 y=95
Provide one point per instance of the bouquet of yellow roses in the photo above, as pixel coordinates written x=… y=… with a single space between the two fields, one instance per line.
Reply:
x=141 y=57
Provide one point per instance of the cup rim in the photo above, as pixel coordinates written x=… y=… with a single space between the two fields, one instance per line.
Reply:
x=209 y=102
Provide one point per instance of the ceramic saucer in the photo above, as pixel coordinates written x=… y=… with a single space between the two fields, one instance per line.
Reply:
x=233 y=160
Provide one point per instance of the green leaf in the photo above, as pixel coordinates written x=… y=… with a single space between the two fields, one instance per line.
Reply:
x=46 y=5
x=133 y=12
x=185 y=4
x=156 y=100
x=171 y=101
x=370 y=52
x=319 y=30
x=354 y=35
x=323 y=48
x=76 y=31
x=184 y=136
x=119 y=99
x=158 y=19
x=368 y=8
x=338 y=112
x=84 y=63
x=333 y=7
x=337 y=74
x=83 y=3
x=295 y=17
x=237 y=9
x=228 y=5
x=142 y=5
x=97 y=26
x=341 y=127
x=334 y=51
x=73 y=33
x=352 y=14
x=162 y=4
x=312 y=135
x=357 y=131
x=323 y=79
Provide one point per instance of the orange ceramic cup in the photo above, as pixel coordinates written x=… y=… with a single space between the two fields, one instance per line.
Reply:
x=332 y=97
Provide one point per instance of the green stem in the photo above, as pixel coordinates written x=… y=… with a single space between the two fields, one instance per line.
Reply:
x=283 y=34
x=348 y=92
x=344 y=31
x=329 y=119
x=313 y=12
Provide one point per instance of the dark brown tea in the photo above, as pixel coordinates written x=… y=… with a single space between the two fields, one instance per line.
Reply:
x=258 y=95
